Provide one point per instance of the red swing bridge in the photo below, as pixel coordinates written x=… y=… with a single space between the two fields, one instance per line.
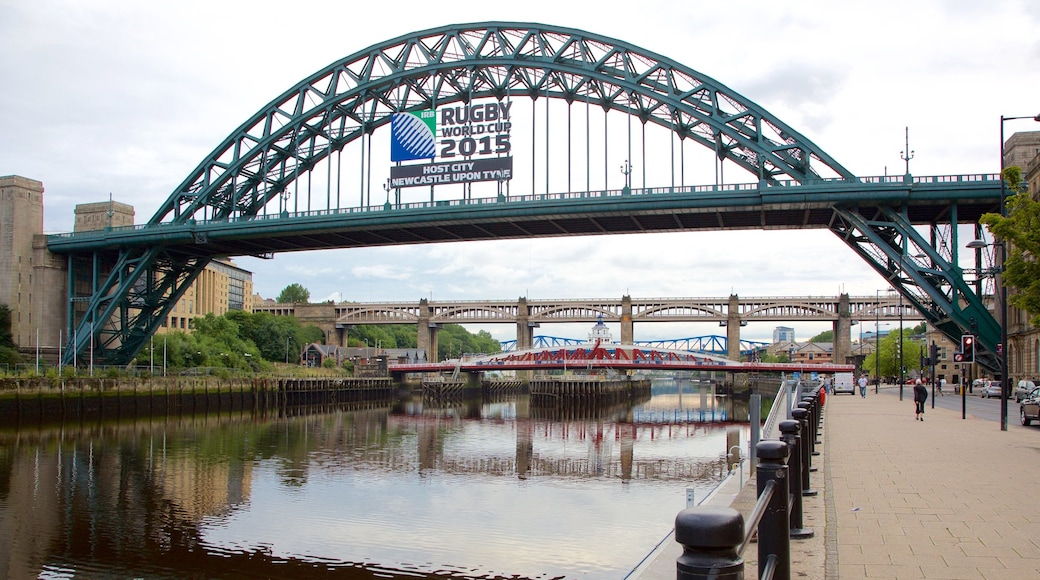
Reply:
x=611 y=356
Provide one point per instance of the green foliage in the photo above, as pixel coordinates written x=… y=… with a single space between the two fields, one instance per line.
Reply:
x=454 y=341
x=451 y=338
x=273 y=335
x=1021 y=231
x=329 y=363
x=774 y=358
x=825 y=336
x=6 y=338
x=294 y=294
x=386 y=336
x=894 y=351
x=10 y=356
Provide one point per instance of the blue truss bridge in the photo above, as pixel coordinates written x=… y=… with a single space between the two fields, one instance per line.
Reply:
x=528 y=124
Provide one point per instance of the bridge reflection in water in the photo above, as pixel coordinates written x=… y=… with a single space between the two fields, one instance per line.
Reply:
x=462 y=489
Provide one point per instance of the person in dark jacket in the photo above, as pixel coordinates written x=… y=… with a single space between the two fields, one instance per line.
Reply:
x=920 y=396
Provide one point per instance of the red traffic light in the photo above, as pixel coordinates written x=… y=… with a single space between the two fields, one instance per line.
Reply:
x=967 y=348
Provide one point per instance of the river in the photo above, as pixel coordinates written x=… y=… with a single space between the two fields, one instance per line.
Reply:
x=485 y=488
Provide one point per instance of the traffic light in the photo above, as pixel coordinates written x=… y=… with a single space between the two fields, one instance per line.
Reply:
x=968 y=348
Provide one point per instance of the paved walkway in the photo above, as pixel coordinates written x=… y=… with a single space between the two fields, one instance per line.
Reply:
x=899 y=498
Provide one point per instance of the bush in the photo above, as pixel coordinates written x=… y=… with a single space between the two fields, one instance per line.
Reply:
x=9 y=355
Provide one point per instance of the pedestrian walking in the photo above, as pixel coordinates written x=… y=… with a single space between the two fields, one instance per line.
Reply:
x=942 y=383
x=862 y=382
x=920 y=396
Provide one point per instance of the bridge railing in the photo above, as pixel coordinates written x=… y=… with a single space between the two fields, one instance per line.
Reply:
x=714 y=538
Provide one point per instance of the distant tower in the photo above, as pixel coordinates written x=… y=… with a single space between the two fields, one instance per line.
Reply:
x=21 y=219
x=783 y=334
x=103 y=214
x=600 y=333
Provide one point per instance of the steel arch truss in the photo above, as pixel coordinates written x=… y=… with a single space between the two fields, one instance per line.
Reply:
x=356 y=95
x=923 y=270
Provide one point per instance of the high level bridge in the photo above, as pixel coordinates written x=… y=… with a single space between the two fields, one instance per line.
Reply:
x=455 y=106
x=732 y=313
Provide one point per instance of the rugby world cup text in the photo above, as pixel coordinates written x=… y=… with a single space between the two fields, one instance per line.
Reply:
x=480 y=129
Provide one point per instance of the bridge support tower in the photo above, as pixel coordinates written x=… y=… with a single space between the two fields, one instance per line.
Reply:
x=524 y=326
x=427 y=339
x=733 y=328
x=627 y=331
x=843 y=331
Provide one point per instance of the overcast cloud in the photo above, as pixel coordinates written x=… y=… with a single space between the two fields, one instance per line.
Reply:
x=127 y=97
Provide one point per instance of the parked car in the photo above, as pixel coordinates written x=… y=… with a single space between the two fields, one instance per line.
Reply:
x=990 y=389
x=1029 y=409
x=1025 y=386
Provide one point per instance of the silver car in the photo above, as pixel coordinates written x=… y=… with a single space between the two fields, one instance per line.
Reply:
x=1029 y=410
x=990 y=390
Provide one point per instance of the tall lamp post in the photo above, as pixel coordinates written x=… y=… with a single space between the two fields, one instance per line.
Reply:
x=877 y=343
x=900 y=346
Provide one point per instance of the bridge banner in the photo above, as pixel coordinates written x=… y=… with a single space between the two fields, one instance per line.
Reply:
x=468 y=171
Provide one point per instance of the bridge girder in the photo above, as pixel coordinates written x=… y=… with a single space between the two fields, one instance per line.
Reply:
x=923 y=271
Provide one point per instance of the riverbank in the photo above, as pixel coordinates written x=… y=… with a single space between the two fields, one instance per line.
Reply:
x=53 y=399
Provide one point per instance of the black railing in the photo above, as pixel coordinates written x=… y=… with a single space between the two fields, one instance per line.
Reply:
x=714 y=538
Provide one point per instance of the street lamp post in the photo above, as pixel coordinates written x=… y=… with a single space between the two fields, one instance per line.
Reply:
x=877 y=343
x=901 y=379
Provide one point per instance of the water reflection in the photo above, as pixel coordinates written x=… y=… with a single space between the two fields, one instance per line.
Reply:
x=485 y=488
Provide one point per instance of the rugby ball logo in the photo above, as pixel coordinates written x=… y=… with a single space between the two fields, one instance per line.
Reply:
x=413 y=135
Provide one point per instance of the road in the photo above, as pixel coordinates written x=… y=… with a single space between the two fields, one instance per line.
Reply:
x=986 y=409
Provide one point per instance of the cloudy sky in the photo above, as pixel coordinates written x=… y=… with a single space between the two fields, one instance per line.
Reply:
x=125 y=98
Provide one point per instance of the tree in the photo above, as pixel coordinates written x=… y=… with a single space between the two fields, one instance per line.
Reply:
x=1020 y=231
x=294 y=294
x=6 y=337
x=825 y=336
x=895 y=351
x=8 y=350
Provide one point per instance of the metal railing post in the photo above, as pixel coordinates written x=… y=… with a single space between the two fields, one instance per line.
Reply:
x=774 y=538
x=790 y=435
x=801 y=415
x=809 y=430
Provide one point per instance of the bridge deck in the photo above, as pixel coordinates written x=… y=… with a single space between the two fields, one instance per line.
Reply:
x=780 y=205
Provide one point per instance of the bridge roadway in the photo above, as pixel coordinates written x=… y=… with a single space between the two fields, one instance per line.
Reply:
x=777 y=204
x=732 y=312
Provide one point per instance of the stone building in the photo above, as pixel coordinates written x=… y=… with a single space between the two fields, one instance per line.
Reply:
x=33 y=281
x=1023 y=150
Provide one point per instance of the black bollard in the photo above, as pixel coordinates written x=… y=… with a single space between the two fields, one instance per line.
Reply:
x=790 y=435
x=813 y=406
x=801 y=415
x=809 y=429
x=710 y=537
x=774 y=537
